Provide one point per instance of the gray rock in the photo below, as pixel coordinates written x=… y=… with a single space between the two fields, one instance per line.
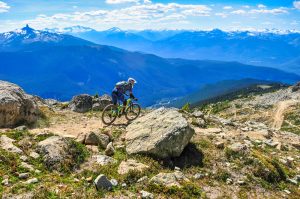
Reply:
x=34 y=155
x=114 y=182
x=101 y=182
x=101 y=102
x=131 y=165
x=292 y=181
x=238 y=147
x=16 y=106
x=21 y=128
x=146 y=195
x=23 y=158
x=81 y=103
x=220 y=145
x=6 y=143
x=198 y=176
x=32 y=181
x=296 y=87
x=169 y=179
x=143 y=179
x=54 y=150
x=104 y=160
x=198 y=114
x=5 y=182
x=24 y=175
x=162 y=133
x=27 y=166
x=110 y=150
x=97 y=139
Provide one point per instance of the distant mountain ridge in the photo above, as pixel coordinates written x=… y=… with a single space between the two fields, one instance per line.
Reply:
x=254 y=48
x=64 y=67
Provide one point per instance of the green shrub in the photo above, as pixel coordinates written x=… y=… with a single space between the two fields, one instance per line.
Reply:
x=186 y=107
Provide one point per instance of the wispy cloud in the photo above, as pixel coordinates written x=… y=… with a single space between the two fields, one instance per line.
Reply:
x=296 y=4
x=261 y=6
x=4 y=7
x=139 y=14
x=274 y=11
x=121 y=1
x=227 y=7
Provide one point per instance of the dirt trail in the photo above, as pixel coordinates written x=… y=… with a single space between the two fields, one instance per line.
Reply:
x=71 y=124
x=279 y=113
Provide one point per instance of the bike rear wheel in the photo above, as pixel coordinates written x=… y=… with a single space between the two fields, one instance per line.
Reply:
x=109 y=114
x=132 y=112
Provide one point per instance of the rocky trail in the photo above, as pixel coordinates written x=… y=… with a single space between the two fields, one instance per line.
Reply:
x=229 y=149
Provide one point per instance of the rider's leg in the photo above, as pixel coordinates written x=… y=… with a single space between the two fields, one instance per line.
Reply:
x=114 y=96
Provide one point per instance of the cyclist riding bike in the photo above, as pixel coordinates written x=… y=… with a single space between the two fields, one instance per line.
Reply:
x=121 y=89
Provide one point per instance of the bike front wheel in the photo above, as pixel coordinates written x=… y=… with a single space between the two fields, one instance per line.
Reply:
x=132 y=112
x=109 y=114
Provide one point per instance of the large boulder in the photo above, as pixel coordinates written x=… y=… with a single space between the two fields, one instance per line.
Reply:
x=54 y=151
x=81 y=103
x=99 y=103
x=296 y=87
x=16 y=107
x=162 y=133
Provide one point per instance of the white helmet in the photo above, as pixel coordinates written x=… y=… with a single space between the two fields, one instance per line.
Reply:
x=130 y=79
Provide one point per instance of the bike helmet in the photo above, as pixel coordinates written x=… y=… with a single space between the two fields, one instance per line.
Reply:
x=130 y=79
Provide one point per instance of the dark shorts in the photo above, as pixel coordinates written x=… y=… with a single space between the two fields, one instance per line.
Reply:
x=117 y=96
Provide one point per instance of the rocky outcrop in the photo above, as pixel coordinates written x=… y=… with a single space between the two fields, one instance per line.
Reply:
x=6 y=143
x=296 y=87
x=81 y=103
x=162 y=133
x=99 y=103
x=16 y=107
x=54 y=150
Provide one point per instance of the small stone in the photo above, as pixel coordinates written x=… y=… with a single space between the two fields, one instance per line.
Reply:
x=220 y=145
x=241 y=182
x=32 y=181
x=287 y=191
x=292 y=181
x=76 y=180
x=104 y=160
x=146 y=195
x=5 y=182
x=21 y=128
x=124 y=185
x=114 y=182
x=24 y=158
x=89 y=179
x=229 y=181
x=297 y=177
x=177 y=168
x=37 y=171
x=198 y=176
x=24 y=175
x=34 y=155
x=101 y=182
x=27 y=166
x=110 y=150
x=142 y=179
x=130 y=165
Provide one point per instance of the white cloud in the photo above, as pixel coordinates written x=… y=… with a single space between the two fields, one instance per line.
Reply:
x=221 y=14
x=261 y=6
x=239 y=12
x=139 y=15
x=227 y=7
x=296 y=4
x=121 y=1
x=4 y=7
x=246 y=6
x=274 y=11
x=147 y=1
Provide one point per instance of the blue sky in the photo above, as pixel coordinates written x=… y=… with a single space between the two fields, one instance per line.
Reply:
x=151 y=14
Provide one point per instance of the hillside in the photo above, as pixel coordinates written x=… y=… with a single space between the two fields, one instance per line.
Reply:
x=58 y=69
x=242 y=148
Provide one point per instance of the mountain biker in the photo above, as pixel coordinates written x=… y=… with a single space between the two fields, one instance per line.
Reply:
x=121 y=88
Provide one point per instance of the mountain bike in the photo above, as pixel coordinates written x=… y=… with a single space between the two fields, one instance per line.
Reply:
x=111 y=112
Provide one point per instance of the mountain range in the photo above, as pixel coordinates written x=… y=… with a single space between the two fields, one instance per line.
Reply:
x=267 y=48
x=60 y=66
